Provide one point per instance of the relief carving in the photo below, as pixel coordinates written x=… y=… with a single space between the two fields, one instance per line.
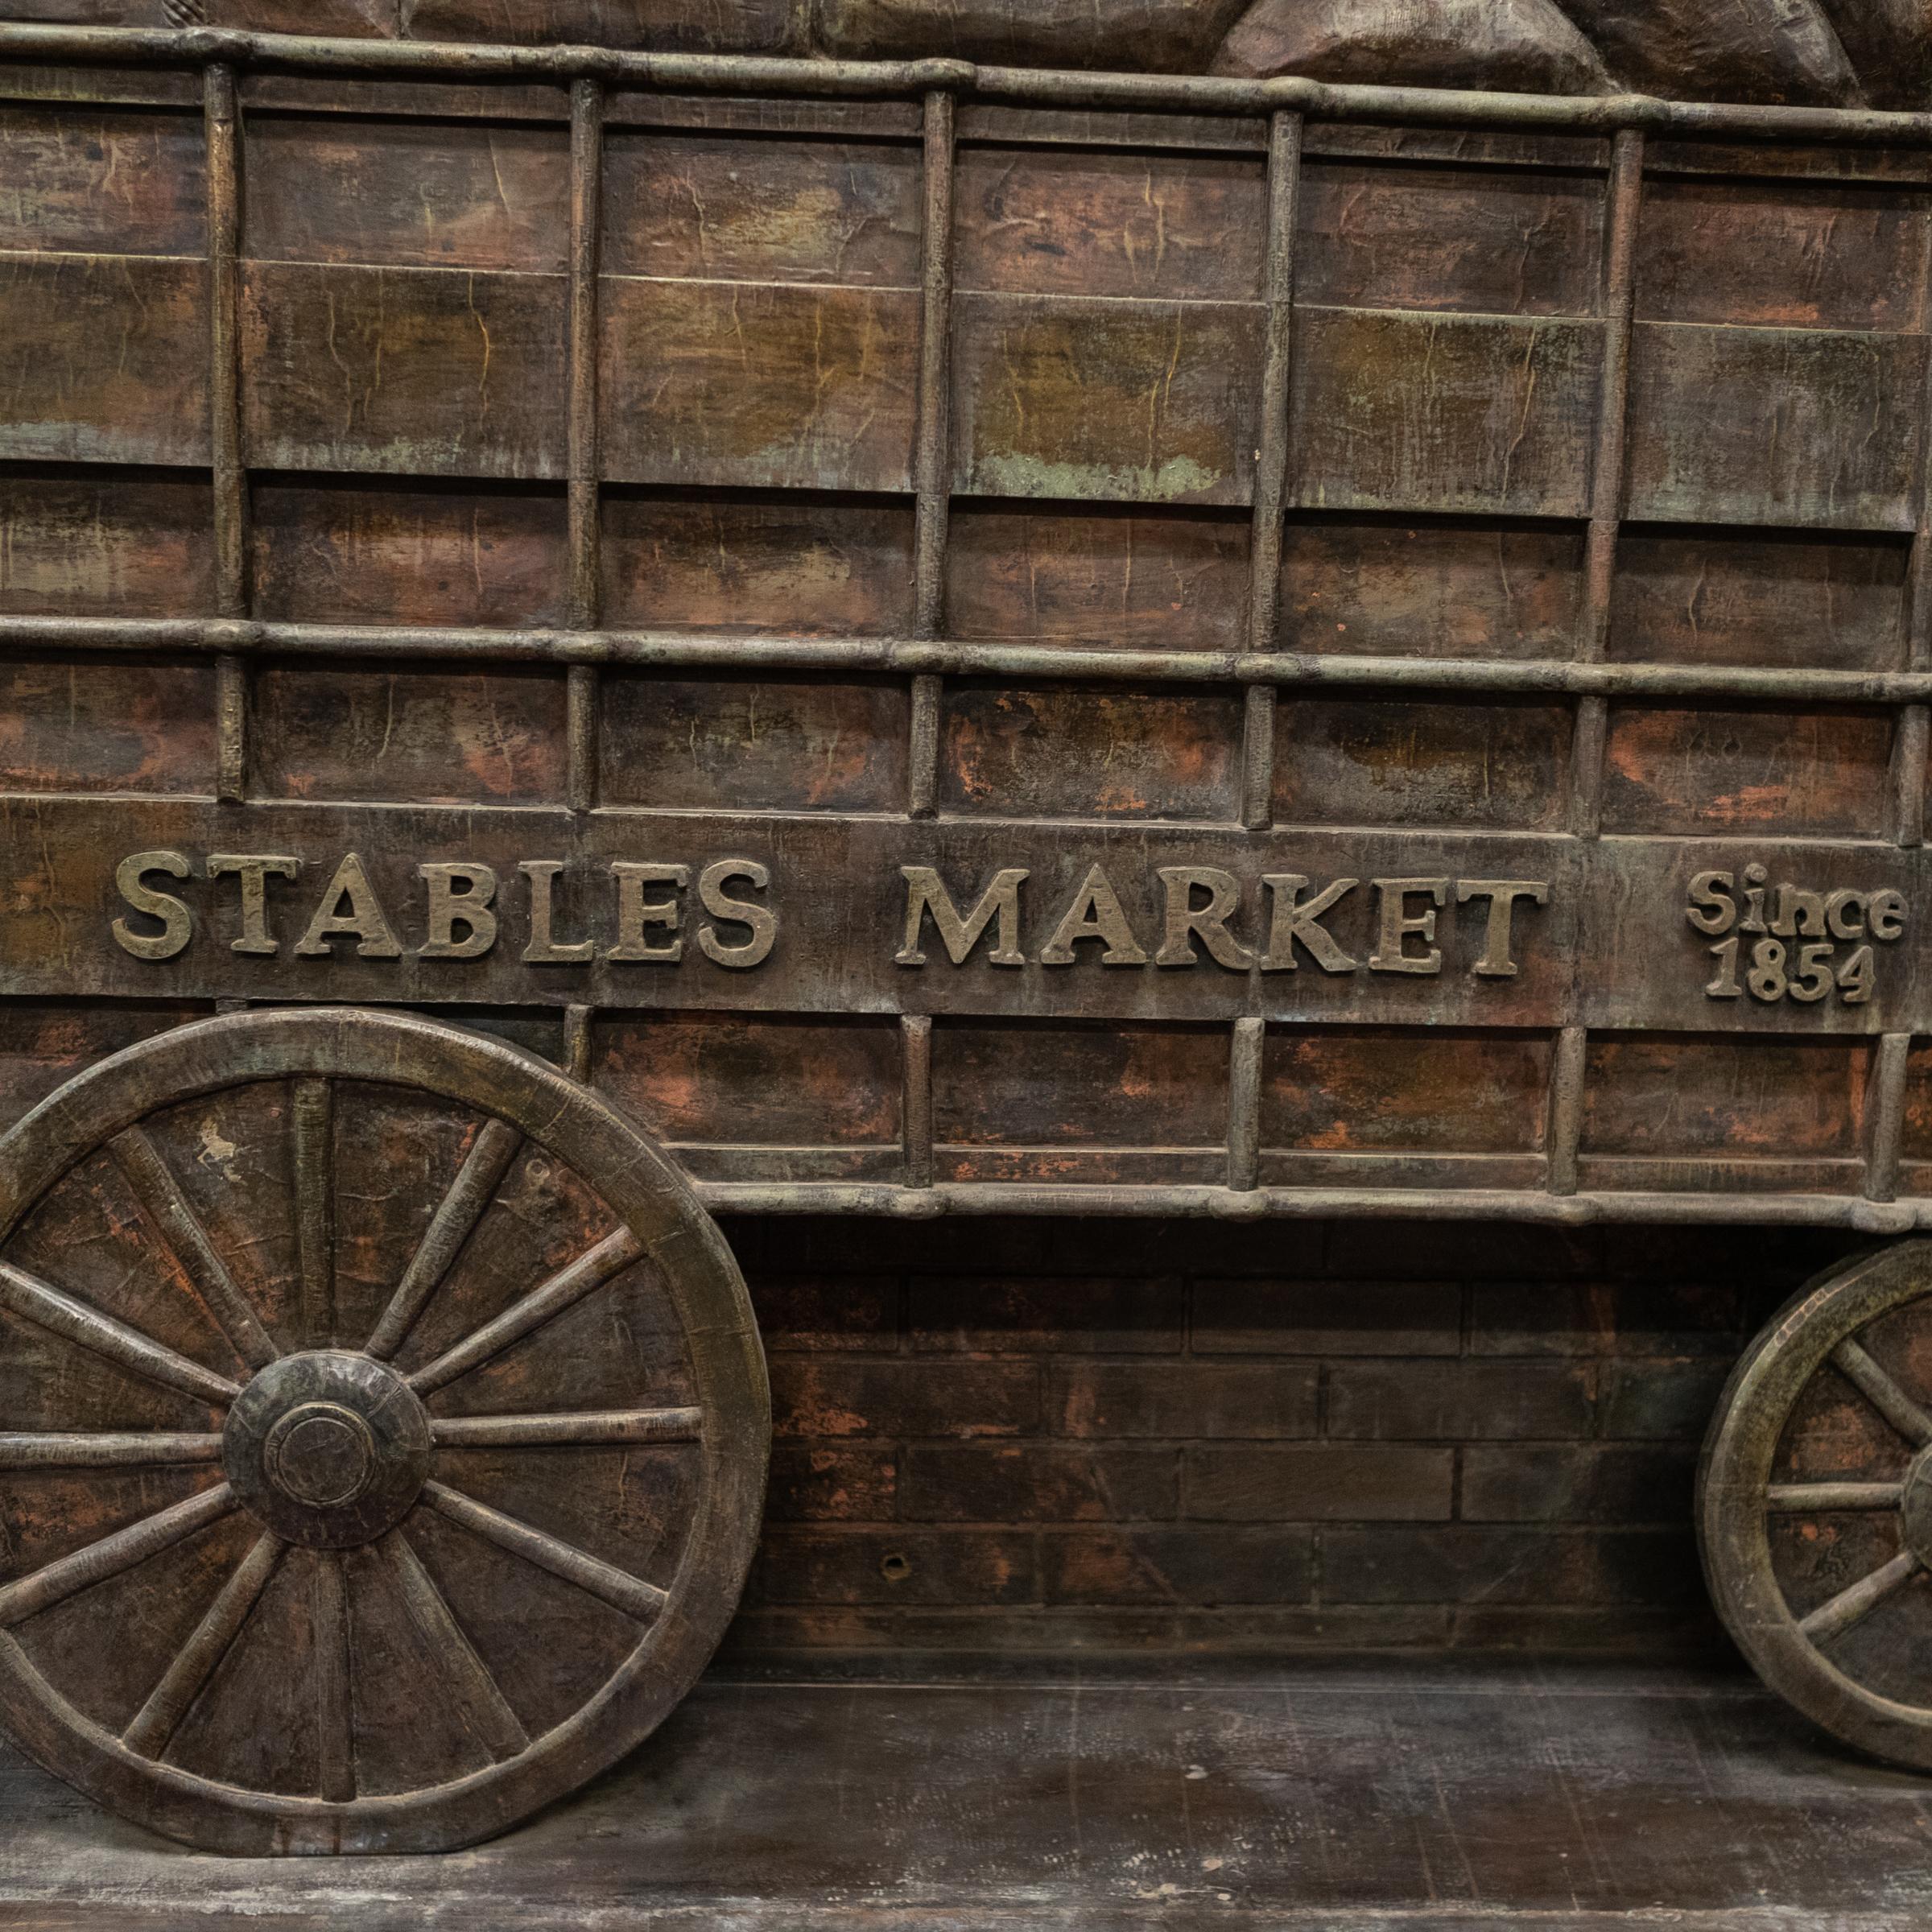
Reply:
x=1835 y=53
x=461 y=913
x=1202 y=909
x=1791 y=941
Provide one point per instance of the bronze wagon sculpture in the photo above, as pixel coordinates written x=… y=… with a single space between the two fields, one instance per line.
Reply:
x=592 y=637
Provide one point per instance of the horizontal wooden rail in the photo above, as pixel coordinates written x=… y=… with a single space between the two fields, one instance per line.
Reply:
x=898 y=656
x=1188 y=93
x=1265 y=1203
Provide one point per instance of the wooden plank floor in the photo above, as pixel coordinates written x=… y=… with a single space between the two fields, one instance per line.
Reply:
x=1398 y=1795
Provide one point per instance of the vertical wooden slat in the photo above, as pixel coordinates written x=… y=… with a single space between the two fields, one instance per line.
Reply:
x=915 y=1036
x=585 y=458
x=222 y=128
x=1623 y=199
x=576 y=1042
x=1244 y=1104
x=1623 y=203
x=314 y=1108
x=231 y=729
x=1564 y=1128
x=1910 y=736
x=1257 y=757
x=1271 y=463
x=1886 y=1131
x=932 y=454
x=1906 y=803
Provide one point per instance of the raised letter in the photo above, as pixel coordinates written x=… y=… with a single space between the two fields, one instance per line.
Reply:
x=1711 y=909
x=926 y=892
x=1886 y=917
x=254 y=869
x=635 y=912
x=544 y=948
x=1291 y=922
x=177 y=922
x=364 y=918
x=448 y=908
x=1391 y=954
x=762 y=922
x=1095 y=914
x=1185 y=918
x=1799 y=912
x=1845 y=914
x=1502 y=894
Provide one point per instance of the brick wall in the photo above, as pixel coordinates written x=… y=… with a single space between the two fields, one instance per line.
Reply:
x=1045 y=1435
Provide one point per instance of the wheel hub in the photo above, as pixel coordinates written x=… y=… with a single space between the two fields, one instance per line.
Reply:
x=327 y=1448
x=320 y=1454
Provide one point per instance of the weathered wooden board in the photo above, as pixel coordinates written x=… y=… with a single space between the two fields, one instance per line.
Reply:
x=1106 y=400
x=412 y=371
x=103 y=357
x=1782 y=597
x=810 y=912
x=1809 y=426
x=1487 y=241
x=94 y=542
x=1404 y=411
x=760 y=384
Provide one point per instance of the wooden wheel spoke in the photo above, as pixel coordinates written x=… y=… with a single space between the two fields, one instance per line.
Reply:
x=158 y=1719
x=53 y=1583
x=335 y=1745
x=166 y=1207
x=1883 y=1394
x=591 y=1427
x=478 y=1701
x=1836 y=1616
x=313 y=1108
x=568 y=1286
x=617 y=1587
x=457 y=1215
x=108 y=1449
x=1812 y=1498
x=38 y=1302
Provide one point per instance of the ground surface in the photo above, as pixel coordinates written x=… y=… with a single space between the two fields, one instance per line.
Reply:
x=1403 y=1796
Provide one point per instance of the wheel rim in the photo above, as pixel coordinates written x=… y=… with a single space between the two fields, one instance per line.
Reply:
x=1816 y=1503
x=443 y=1469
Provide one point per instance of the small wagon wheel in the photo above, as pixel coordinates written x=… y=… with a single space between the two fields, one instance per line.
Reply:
x=385 y=1433
x=1814 y=1506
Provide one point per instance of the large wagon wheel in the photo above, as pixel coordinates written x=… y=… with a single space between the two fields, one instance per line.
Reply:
x=385 y=1434
x=1815 y=1508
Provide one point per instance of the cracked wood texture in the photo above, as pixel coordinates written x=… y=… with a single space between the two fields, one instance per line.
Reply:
x=1557 y=851
x=1449 y=319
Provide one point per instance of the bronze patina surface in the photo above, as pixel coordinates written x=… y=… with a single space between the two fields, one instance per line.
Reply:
x=945 y=629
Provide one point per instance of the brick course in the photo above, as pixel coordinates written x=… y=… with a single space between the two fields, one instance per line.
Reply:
x=1012 y=1436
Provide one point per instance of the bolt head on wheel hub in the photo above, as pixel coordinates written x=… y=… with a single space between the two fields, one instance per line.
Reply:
x=328 y=1448
x=320 y=1454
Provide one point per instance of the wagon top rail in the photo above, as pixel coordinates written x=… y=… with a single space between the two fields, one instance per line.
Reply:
x=1046 y=87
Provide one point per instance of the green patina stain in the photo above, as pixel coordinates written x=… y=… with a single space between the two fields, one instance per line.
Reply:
x=1016 y=475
